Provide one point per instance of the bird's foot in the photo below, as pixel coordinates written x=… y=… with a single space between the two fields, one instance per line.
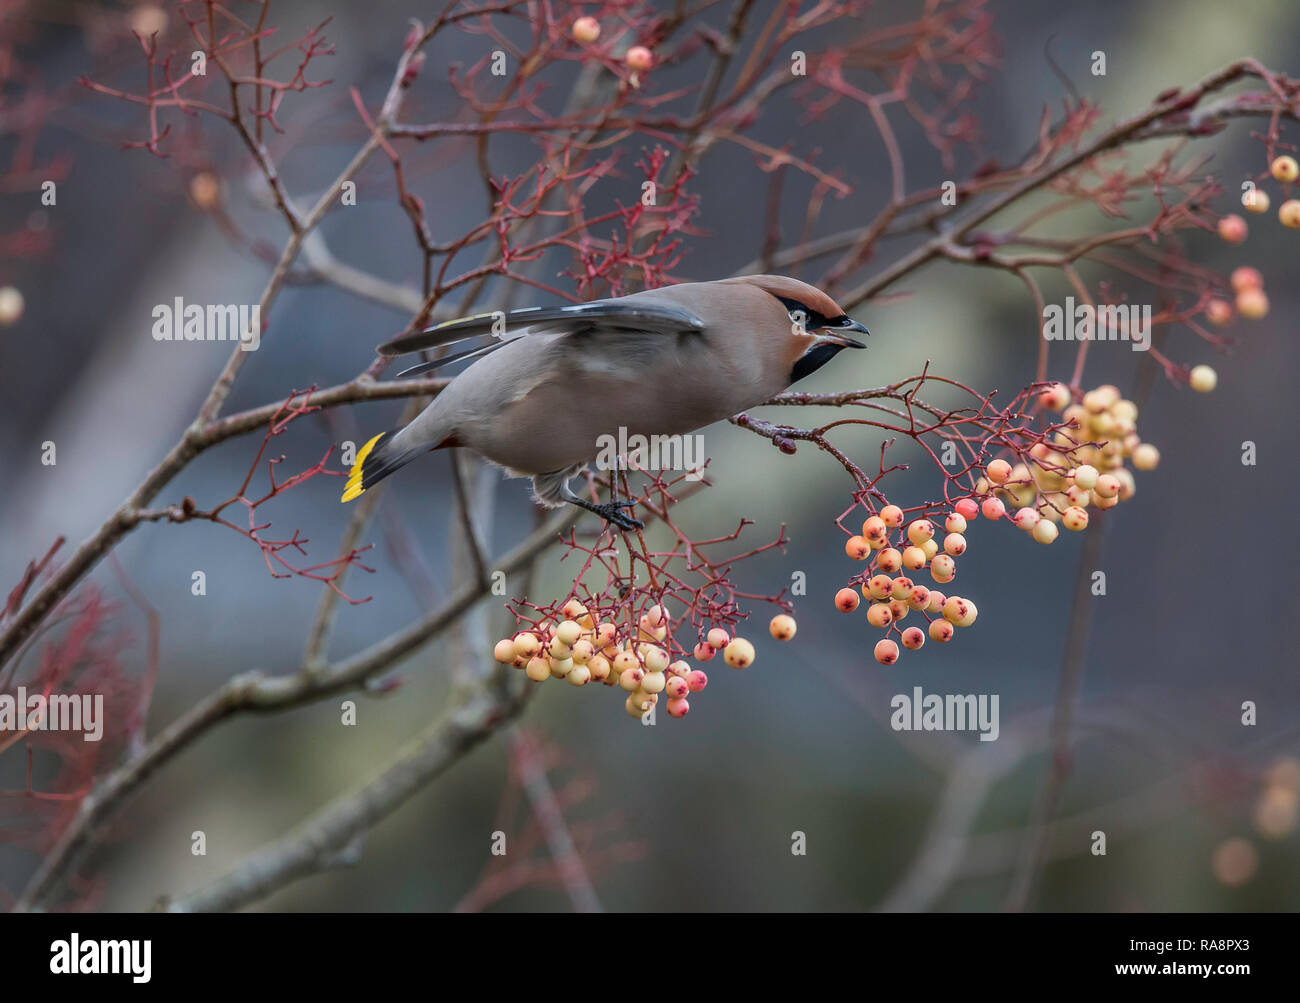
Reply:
x=610 y=512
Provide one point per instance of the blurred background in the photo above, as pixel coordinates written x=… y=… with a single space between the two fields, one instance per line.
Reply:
x=695 y=814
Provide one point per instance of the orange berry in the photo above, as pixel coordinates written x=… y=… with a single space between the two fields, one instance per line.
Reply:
x=920 y=597
x=879 y=614
x=941 y=631
x=886 y=651
x=954 y=608
x=889 y=560
x=899 y=609
x=504 y=651
x=857 y=548
x=902 y=589
x=998 y=471
x=893 y=516
x=874 y=528
x=846 y=600
x=880 y=587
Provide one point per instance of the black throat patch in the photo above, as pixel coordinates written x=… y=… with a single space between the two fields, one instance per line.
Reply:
x=813 y=360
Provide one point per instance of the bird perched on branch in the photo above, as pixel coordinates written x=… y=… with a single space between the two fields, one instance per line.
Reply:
x=550 y=382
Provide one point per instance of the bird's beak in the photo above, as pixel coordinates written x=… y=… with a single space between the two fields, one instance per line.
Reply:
x=838 y=335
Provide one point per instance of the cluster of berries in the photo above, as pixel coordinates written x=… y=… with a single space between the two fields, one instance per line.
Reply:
x=891 y=599
x=1055 y=484
x=1082 y=468
x=587 y=29
x=1284 y=169
x=1251 y=301
x=580 y=649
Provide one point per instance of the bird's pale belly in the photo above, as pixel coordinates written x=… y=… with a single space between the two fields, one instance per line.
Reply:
x=557 y=427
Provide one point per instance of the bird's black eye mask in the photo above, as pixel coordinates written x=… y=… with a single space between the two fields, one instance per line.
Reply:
x=817 y=356
x=814 y=321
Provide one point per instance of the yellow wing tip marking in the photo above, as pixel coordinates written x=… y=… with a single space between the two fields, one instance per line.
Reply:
x=353 y=486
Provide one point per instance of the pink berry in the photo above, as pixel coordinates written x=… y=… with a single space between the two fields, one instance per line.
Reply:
x=697 y=679
x=1232 y=229
x=993 y=508
x=639 y=57
x=704 y=651
x=913 y=638
x=886 y=652
x=967 y=508
x=679 y=707
x=676 y=688
x=718 y=638
x=846 y=600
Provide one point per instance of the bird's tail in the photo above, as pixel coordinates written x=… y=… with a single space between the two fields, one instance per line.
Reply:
x=376 y=460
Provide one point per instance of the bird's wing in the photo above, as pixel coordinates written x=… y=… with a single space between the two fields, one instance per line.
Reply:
x=598 y=315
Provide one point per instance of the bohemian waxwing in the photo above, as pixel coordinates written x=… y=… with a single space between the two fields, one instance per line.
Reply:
x=551 y=382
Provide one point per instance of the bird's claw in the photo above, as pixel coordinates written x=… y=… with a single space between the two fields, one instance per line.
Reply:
x=609 y=511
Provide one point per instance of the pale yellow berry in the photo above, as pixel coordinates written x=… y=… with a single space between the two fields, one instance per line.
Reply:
x=1045 y=531
x=1255 y=200
x=782 y=627
x=914 y=558
x=599 y=668
x=558 y=649
x=955 y=523
x=504 y=651
x=1285 y=168
x=943 y=568
x=655 y=658
x=879 y=614
x=630 y=679
x=654 y=682
x=1108 y=486
x=1289 y=214
x=1146 y=457
x=739 y=653
x=568 y=632
x=527 y=645
x=954 y=544
x=638 y=703
x=954 y=608
x=586 y=29
x=579 y=675
x=930 y=548
x=920 y=530
x=538 y=669
x=1203 y=379
x=718 y=638
x=880 y=587
x=1074 y=518
x=969 y=616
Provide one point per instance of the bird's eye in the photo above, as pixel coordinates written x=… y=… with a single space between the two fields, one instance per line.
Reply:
x=799 y=318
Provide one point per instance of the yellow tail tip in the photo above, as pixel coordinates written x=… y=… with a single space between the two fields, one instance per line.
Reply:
x=353 y=487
